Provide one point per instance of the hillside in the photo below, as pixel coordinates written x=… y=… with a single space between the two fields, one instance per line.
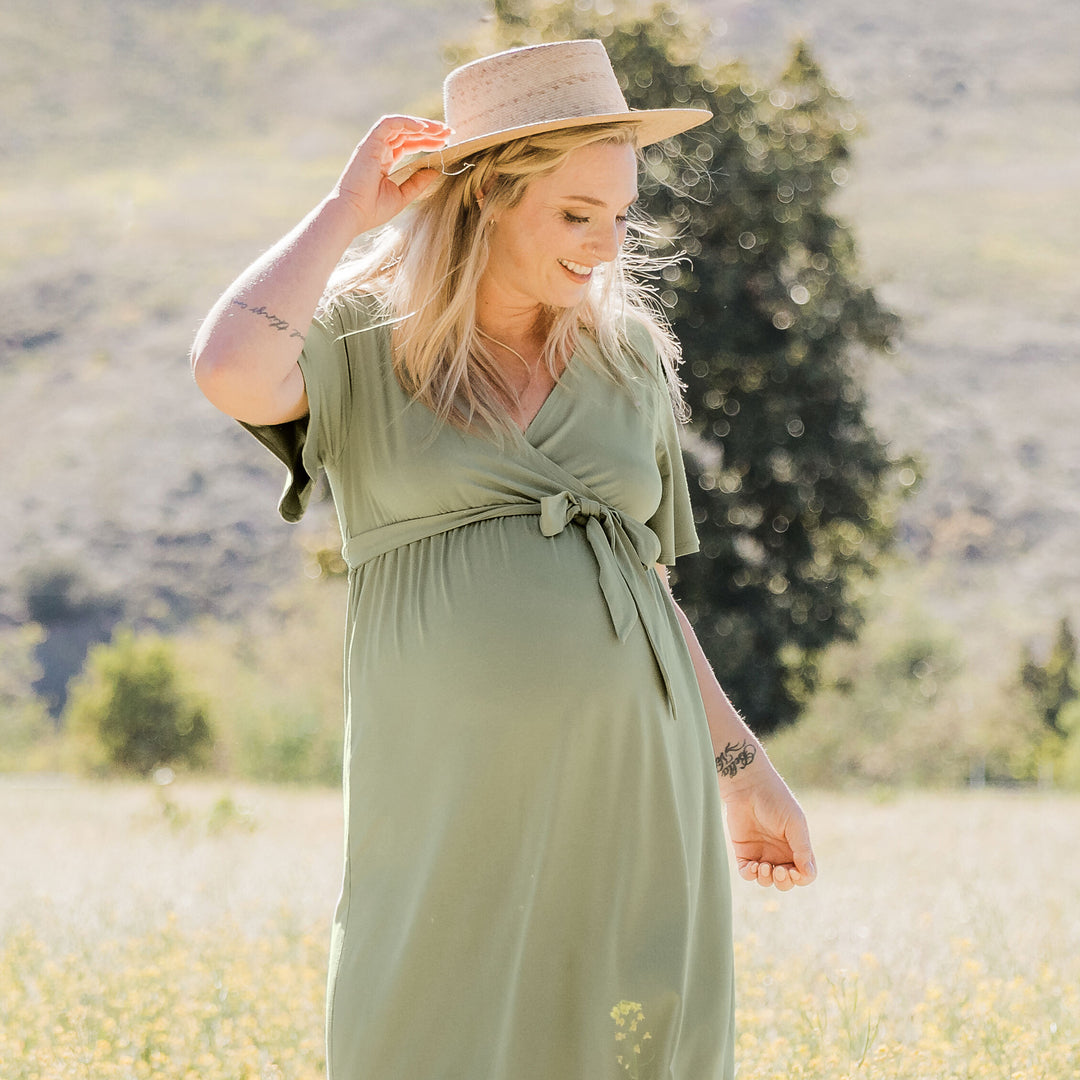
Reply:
x=149 y=149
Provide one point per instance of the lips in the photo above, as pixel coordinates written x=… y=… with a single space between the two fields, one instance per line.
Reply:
x=577 y=269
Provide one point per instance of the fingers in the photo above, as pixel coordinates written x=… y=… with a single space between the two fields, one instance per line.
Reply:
x=365 y=187
x=398 y=128
x=755 y=870
x=395 y=137
x=805 y=869
x=780 y=876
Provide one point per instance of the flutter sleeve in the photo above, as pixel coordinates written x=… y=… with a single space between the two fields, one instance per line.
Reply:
x=307 y=444
x=673 y=521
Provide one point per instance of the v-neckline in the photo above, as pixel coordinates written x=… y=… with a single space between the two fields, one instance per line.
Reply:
x=542 y=408
x=524 y=433
x=527 y=430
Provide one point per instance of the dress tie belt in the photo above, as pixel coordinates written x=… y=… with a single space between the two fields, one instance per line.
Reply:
x=610 y=534
x=623 y=547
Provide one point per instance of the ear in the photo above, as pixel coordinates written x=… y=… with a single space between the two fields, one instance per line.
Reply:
x=482 y=194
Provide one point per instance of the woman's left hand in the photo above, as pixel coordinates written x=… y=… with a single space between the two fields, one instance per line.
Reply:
x=769 y=833
x=766 y=825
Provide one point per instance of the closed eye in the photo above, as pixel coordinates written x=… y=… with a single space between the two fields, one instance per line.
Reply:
x=575 y=220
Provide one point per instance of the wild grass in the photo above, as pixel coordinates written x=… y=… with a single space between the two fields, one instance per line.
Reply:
x=180 y=932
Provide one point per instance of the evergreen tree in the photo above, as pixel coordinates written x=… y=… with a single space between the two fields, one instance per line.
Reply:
x=787 y=476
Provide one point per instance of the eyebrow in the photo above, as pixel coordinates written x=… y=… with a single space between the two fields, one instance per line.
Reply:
x=590 y=201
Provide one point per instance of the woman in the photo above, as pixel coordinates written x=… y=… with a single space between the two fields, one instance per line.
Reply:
x=535 y=874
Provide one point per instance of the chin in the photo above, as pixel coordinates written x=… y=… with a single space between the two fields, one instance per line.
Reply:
x=568 y=298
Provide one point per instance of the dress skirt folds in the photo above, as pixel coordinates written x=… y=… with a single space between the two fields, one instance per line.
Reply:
x=536 y=882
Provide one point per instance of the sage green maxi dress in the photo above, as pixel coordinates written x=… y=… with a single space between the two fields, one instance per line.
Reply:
x=533 y=826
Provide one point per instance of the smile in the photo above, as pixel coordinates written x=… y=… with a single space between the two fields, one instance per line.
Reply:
x=576 y=268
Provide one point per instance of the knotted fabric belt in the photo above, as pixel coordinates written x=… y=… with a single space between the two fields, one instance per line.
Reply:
x=622 y=546
x=624 y=549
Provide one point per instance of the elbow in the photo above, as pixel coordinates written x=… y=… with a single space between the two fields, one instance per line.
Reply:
x=215 y=376
x=206 y=369
x=235 y=387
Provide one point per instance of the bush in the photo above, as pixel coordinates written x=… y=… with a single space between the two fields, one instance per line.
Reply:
x=1068 y=770
x=26 y=731
x=909 y=704
x=129 y=711
x=276 y=686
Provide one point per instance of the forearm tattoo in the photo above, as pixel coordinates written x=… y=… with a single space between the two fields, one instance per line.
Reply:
x=733 y=757
x=275 y=322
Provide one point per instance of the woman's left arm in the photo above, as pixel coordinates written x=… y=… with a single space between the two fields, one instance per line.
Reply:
x=767 y=827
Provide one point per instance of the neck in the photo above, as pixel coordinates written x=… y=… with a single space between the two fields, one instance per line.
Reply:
x=514 y=321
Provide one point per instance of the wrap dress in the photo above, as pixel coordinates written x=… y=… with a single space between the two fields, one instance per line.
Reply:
x=536 y=881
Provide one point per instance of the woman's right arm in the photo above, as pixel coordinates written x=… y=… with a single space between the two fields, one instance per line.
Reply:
x=245 y=356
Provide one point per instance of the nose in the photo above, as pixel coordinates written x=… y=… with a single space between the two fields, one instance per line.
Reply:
x=607 y=240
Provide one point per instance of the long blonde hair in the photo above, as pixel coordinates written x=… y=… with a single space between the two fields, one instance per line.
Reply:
x=424 y=268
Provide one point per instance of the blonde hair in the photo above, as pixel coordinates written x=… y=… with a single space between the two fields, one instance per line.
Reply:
x=424 y=269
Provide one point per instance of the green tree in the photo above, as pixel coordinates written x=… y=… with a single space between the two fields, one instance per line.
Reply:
x=1053 y=686
x=130 y=711
x=788 y=478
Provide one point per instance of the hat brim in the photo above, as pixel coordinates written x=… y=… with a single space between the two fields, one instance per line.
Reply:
x=653 y=126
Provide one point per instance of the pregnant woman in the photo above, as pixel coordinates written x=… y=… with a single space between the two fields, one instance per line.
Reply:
x=536 y=879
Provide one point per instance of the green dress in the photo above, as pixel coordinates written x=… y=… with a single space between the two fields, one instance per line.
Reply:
x=536 y=882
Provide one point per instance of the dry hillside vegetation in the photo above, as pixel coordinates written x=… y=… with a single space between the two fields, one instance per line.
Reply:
x=149 y=150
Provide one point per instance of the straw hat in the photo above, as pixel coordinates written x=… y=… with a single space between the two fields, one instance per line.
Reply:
x=539 y=88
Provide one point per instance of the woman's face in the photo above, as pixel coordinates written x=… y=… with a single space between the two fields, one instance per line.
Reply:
x=544 y=250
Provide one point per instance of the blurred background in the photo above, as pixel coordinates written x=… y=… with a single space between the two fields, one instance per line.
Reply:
x=881 y=342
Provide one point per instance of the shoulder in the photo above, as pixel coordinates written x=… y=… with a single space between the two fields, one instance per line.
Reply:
x=653 y=339
x=639 y=337
x=647 y=354
x=349 y=330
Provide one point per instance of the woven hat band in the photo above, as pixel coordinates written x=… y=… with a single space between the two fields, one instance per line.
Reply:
x=531 y=86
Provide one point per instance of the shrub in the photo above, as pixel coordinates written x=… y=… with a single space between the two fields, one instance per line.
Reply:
x=129 y=710
x=25 y=728
x=1068 y=773
x=909 y=703
x=276 y=686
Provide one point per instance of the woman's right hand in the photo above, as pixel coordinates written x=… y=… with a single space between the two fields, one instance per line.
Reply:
x=365 y=185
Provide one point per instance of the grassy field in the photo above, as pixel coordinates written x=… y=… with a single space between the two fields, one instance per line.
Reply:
x=180 y=932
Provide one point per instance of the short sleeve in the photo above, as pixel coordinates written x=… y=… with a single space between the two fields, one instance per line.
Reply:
x=673 y=521
x=307 y=444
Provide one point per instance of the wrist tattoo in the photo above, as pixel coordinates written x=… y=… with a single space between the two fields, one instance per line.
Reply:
x=275 y=322
x=733 y=757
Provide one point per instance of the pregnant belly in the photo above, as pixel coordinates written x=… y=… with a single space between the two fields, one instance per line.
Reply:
x=490 y=701
x=492 y=616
